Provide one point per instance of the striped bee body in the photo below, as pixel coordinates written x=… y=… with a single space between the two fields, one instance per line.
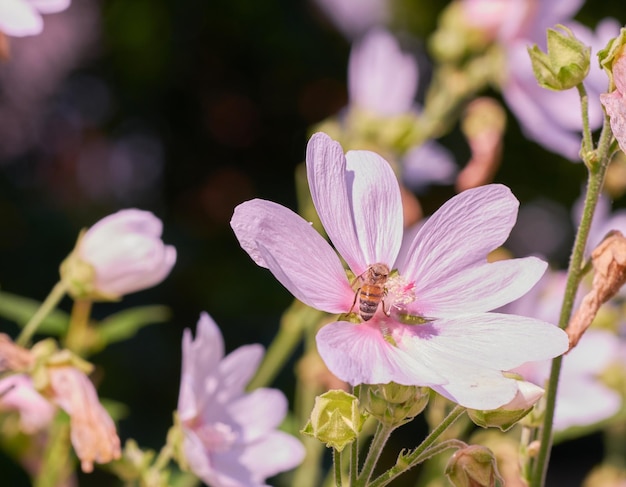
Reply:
x=372 y=291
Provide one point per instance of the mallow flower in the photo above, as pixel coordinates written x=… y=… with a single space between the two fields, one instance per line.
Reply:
x=230 y=436
x=431 y=326
x=20 y=18
x=120 y=254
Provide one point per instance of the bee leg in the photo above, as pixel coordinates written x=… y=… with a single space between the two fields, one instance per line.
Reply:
x=356 y=294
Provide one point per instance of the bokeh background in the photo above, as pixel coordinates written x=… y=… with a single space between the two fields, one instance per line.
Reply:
x=187 y=108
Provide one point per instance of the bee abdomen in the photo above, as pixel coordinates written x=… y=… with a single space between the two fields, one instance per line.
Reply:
x=369 y=299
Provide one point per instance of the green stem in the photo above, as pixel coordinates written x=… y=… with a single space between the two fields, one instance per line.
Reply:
x=354 y=448
x=337 y=463
x=50 y=303
x=418 y=455
x=292 y=326
x=597 y=162
x=587 y=142
x=77 y=336
x=378 y=442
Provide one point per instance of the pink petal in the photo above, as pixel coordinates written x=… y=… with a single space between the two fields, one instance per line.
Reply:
x=377 y=206
x=615 y=106
x=258 y=412
x=359 y=354
x=237 y=369
x=583 y=403
x=619 y=73
x=330 y=189
x=298 y=256
x=50 y=6
x=381 y=77
x=200 y=357
x=478 y=289
x=276 y=452
x=461 y=233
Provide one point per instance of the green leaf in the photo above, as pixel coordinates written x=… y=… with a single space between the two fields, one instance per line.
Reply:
x=125 y=324
x=20 y=309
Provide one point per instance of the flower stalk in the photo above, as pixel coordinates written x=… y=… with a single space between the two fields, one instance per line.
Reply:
x=49 y=304
x=597 y=163
x=422 y=452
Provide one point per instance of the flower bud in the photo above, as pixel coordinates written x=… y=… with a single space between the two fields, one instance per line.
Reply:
x=473 y=466
x=566 y=63
x=335 y=419
x=394 y=404
x=506 y=416
x=120 y=254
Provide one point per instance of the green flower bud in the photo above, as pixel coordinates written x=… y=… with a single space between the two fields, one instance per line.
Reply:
x=565 y=65
x=394 y=404
x=335 y=419
x=473 y=466
x=506 y=416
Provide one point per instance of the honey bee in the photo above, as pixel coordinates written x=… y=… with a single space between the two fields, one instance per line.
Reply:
x=372 y=291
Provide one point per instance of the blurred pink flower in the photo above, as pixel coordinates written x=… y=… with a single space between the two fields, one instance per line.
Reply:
x=381 y=77
x=382 y=81
x=615 y=102
x=550 y=118
x=582 y=399
x=355 y=17
x=127 y=252
x=17 y=393
x=230 y=435
x=444 y=281
x=23 y=17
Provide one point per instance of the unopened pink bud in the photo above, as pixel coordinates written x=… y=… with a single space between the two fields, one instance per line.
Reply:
x=120 y=254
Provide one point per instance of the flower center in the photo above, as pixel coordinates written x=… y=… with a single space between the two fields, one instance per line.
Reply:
x=400 y=291
x=217 y=437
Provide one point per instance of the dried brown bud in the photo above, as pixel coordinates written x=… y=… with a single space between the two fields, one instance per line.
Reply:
x=609 y=263
x=483 y=126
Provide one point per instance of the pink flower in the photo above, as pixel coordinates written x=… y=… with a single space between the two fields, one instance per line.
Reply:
x=126 y=252
x=355 y=17
x=230 y=435
x=17 y=393
x=615 y=102
x=23 y=17
x=550 y=118
x=443 y=280
x=382 y=78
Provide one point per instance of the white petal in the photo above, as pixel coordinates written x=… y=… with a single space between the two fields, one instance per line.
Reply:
x=470 y=352
x=18 y=18
x=303 y=262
